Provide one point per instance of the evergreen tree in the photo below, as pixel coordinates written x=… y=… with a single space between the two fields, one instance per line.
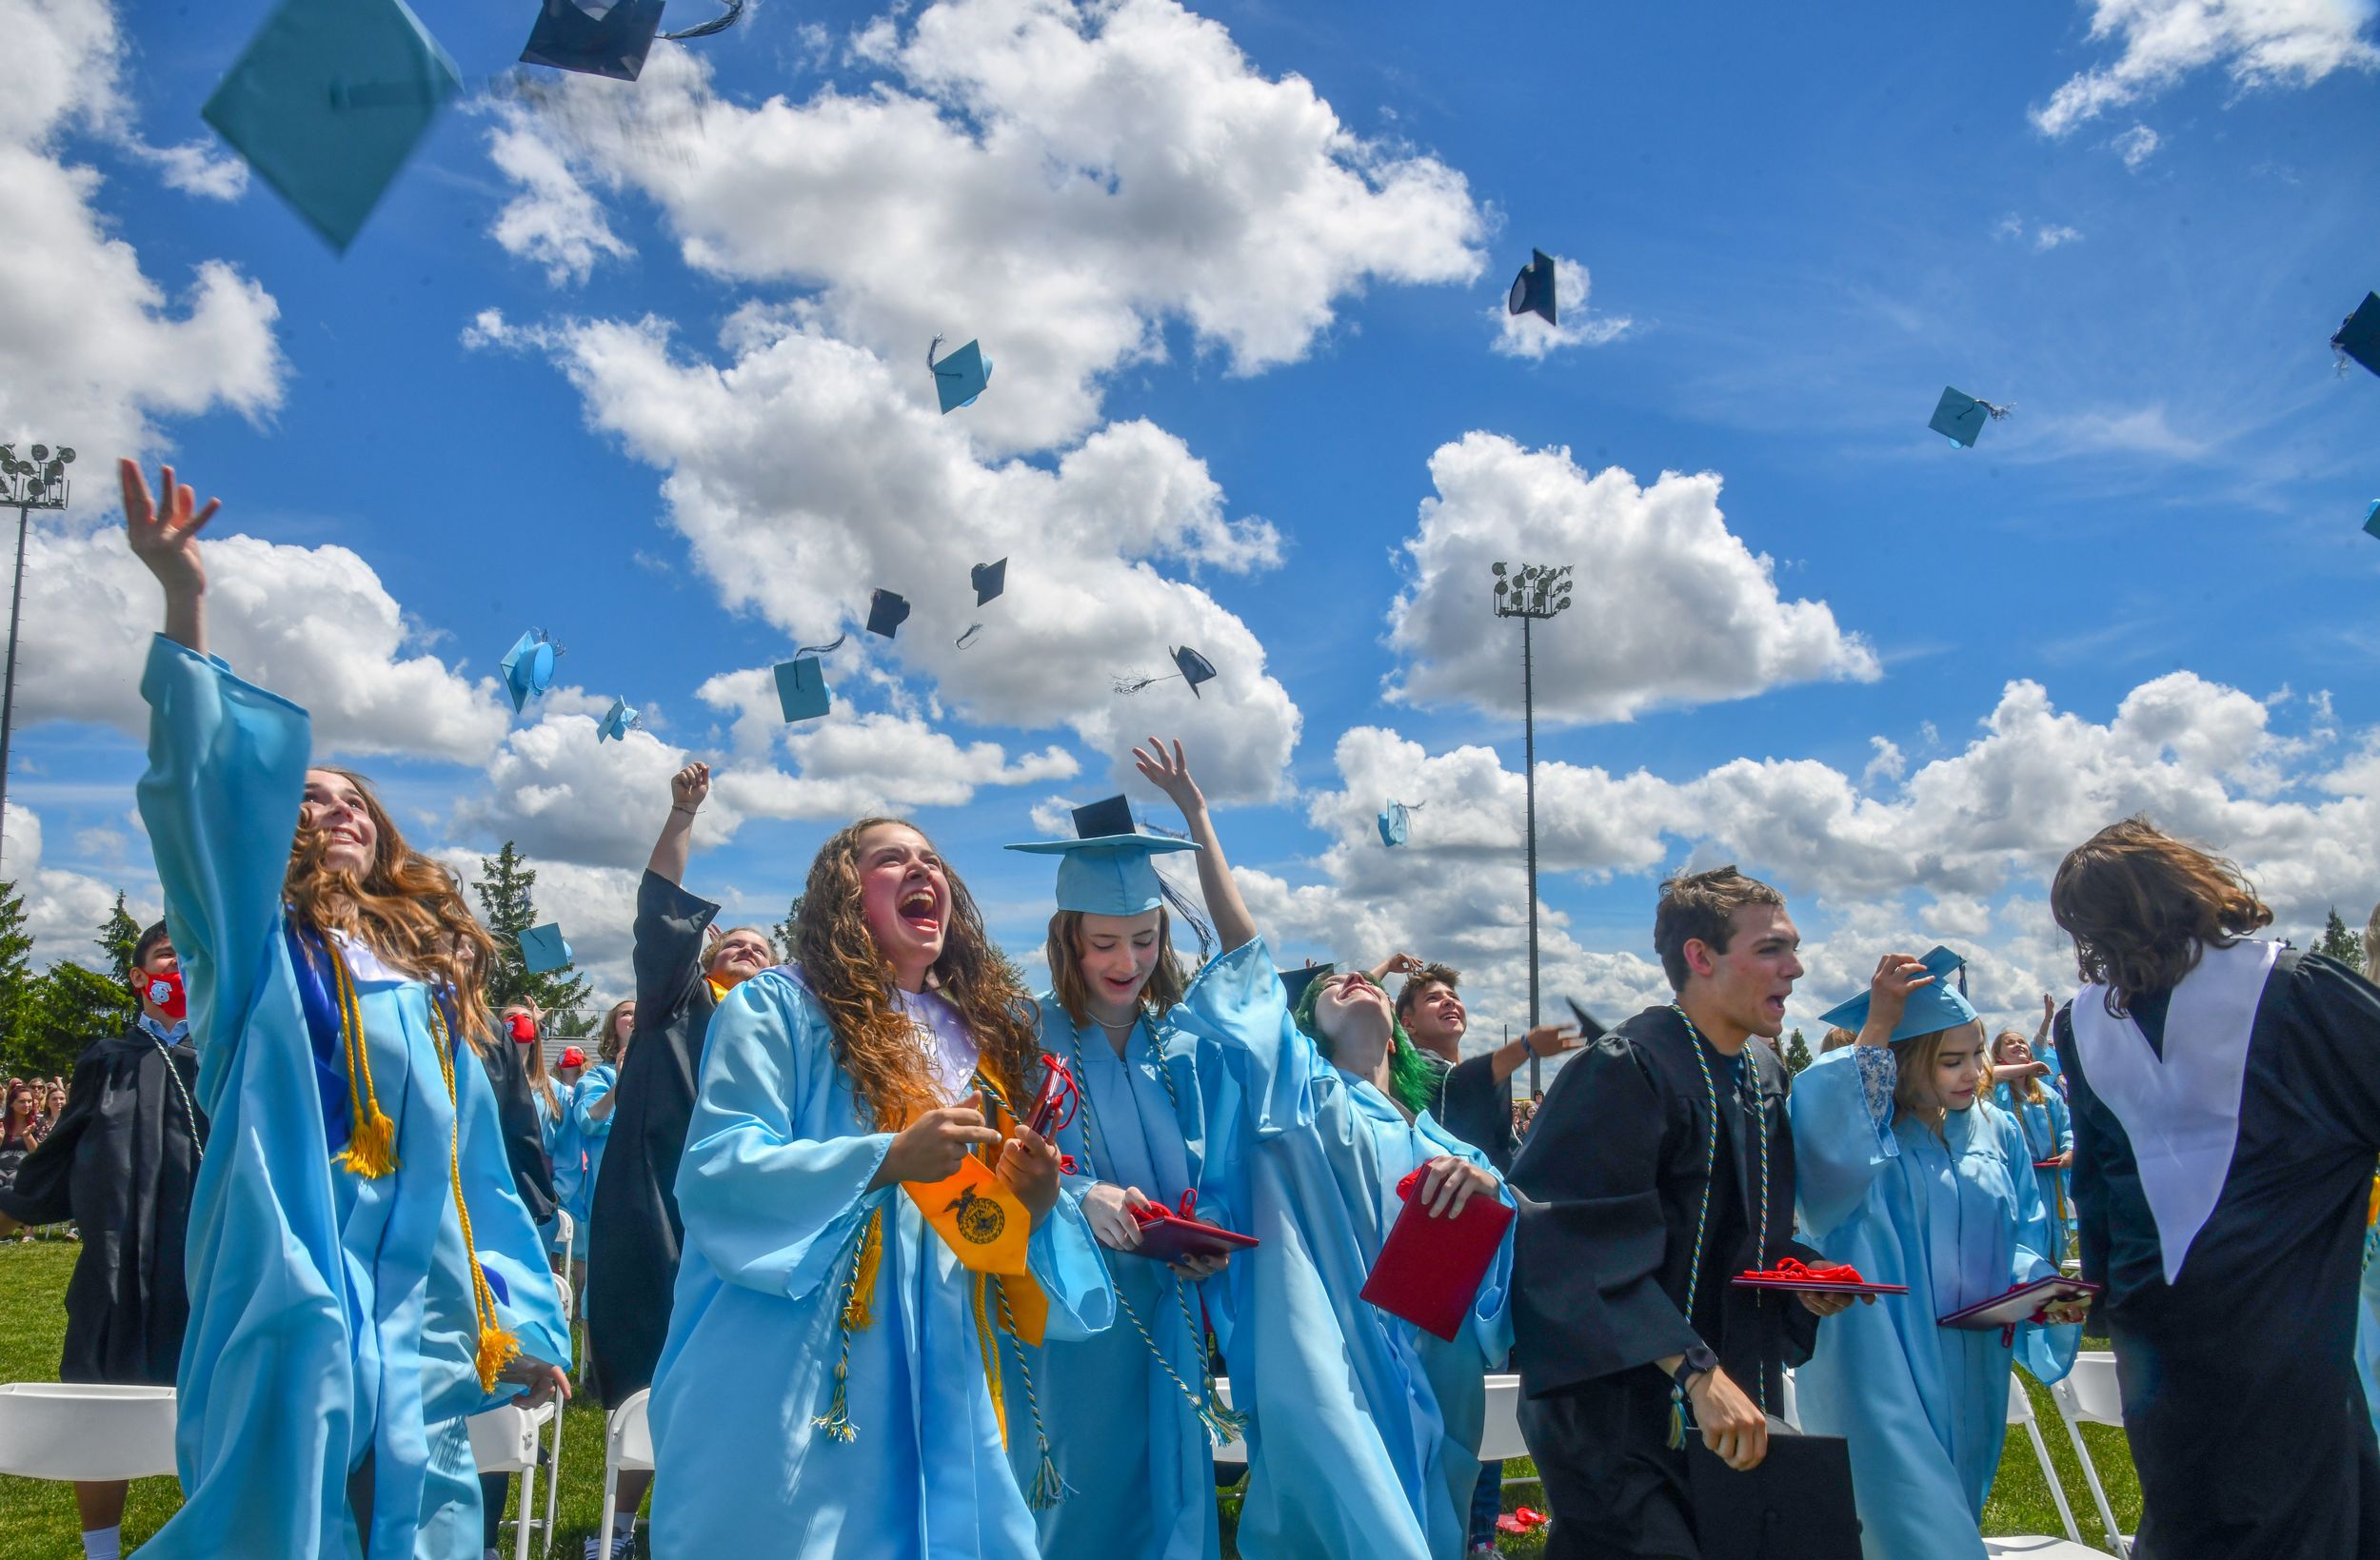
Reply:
x=508 y=908
x=71 y=1007
x=1797 y=1052
x=2339 y=944
x=787 y=930
x=120 y=939
x=16 y=975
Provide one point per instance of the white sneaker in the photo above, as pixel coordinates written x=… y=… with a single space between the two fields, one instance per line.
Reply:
x=622 y=1545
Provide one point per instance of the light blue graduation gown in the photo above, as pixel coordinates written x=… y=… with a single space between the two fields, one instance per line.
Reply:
x=2368 y=1327
x=330 y=1315
x=1365 y=1430
x=774 y=1190
x=1958 y=1220
x=571 y=1183
x=2049 y=1131
x=1125 y=1438
x=592 y=1133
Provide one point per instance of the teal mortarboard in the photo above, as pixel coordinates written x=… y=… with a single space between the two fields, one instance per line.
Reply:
x=1107 y=870
x=1395 y=823
x=2359 y=334
x=529 y=667
x=618 y=721
x=1959 y=417
x=1294 y=982
x=960 y=377
x=543 y=949
x=595 y=39
x=1532 y=289
x=886 y=611
x=990 y=580
x=2372 y=518
x=802 y=688
x=326 y=102
x=1943 y=1005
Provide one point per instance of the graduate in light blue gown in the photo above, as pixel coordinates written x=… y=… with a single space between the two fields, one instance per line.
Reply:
x=2032 y=1099
x=1364 y=1431
x=591 y=1106
x=831 y=1385
x=2368 y=1312
x=1133 y=1415
x=346 y=1312
x=1907 y=1174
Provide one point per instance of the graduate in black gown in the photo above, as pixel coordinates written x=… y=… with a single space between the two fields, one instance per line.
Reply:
x=2226 y=1098
x=120 y=1163
x=1634 y=1218
x=635 y=1232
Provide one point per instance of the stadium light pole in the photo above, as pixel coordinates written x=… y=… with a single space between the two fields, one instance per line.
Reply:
x=37 y=484
x=1532 y=593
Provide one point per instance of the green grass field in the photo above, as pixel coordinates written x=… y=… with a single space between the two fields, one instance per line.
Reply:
x=39 y=1519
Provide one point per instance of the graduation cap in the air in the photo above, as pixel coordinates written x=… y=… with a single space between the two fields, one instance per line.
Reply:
x=960 y=377
x=1107 y=870
x=1193 y=668
x=720 y=23
x=1943 y=1005
x=596 y=39
x=1395 y=822
x=2372 y=518
x=802 y=688
x=1590 y=1027
x=326 y=102
x=1532 y=289
x=618 y=721
x=2359 y=335
x=990 y=580
x=529 y=667
x=886 y=611
x=544 y=950
x=1294 y=982
x=1960 y=417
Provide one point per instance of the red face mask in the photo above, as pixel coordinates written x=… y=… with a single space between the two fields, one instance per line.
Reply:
x=165 y=993
x=522 y=1027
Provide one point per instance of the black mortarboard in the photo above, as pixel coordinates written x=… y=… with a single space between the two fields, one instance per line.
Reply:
x=1797 y=1502
x=1295 y=982
x=2359 y=333
x=1532 y=289
x=1590 y=1028
x=1104 y=820
x=1196 y=669
x=612 y=42
x=990 y=580
x=886 y=612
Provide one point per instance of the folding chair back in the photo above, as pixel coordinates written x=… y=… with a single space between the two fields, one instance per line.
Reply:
x=2090 y=1396
x=627 y=1444
x=51 y=1429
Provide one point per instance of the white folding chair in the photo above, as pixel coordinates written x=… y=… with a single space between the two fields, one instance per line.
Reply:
x=1233 y=1451
x=505 y=1440
x=51 y=1429
x=2036 y=1546
x=2090 y=1396
x=1787 y=1406
x=1499 y=1437
x=627 y=1444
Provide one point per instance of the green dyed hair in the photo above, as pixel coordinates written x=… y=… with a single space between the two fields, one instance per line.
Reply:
x=1411 y=1081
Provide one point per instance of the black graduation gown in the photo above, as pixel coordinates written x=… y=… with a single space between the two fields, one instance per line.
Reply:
x=632 y=1249
x=2247 y=1419
x=1477 y=1108
x=1610 y=1184
x=524 y=1141
x=120 y=1163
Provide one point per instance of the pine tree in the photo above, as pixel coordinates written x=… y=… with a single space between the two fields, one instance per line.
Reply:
x=120 y=939
x=2339 y=944
x=508 y=907
x=787 y=931
x=1797 y=1052
x=71 y=1007
x=16 y=975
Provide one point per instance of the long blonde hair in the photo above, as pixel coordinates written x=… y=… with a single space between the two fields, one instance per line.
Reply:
x=406 y=906
x=2028 y=1090
x=608 y=1042
x=1165 y=985
x=850 y=979
x=1912 y=1081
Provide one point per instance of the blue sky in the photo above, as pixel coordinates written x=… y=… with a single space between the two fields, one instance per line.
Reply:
x=641 y=367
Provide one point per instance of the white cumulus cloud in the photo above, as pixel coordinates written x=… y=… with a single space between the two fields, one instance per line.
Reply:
x=2256 y=43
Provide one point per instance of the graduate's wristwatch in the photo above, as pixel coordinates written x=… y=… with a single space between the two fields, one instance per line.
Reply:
x=1696 y=1361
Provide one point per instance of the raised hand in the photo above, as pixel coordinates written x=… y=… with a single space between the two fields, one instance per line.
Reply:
x=1553 y=1040
x=1897 y=975
x=1170 y=773
x=689 y=786
x=165 y=542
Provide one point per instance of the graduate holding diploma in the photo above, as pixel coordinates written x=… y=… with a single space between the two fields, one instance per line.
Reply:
x=362 y=1274
x=870 y=1237
x=1906 y=1173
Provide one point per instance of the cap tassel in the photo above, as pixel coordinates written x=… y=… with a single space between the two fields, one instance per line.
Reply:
x=372 y=1150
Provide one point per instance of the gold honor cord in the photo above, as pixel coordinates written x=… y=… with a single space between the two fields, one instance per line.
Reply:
x=496 y=1348
x=372 y=1150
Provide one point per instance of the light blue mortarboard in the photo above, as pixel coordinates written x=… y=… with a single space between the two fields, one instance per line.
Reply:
x=326 y=102
x=802 y=688
x=529 y=667
x=618 y=721
x=594 y=40
x=542 y=949
x=1395 y=822
x=1959 y=417
x=960 y=377
x=2372 y=518
x=1105 y=870
x=1532 y=289
x=1943 y=1005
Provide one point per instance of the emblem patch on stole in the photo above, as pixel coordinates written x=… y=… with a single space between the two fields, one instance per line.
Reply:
x=980 y=1219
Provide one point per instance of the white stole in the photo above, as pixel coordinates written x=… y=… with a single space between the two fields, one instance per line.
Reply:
x=2181 y=1113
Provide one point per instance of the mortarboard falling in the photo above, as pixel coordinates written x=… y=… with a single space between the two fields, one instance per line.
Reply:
x=802 y=688
x=543 y=949
x=1193 y=668
x=2372 y=518
x=720 y=23
x=594 y=39
x=1395 y=822
x=1532 y=289
x=529 y=667
x=2359 y=335
x=327 y=100
x=1959 y=417
x=618 y=721
x=886 y=611
x=990 y=580
x=960 y=377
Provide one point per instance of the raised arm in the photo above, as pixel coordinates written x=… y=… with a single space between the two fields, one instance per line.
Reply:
x=687 y=789
x=1170 y=773
x=167 y=541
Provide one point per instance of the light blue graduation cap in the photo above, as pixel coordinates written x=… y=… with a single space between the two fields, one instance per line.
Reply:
x=618 y=721
x=542 y=949
x=1959 y=417
x=2359 y=335
x=960 y=377
x=1395 y=822
x=326 y=102
x=1105 y=870
x=529 y=667
x=1532 y=289
x=597 y=38
x=1943 y=1005
x=2372 y=518
x=802 y=688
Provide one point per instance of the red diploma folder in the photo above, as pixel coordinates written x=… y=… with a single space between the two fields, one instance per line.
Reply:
x=2047 y=1164
x=1168 y=1237
x=1429 y=1269
x=2021 y=1304
x=1837 y=1279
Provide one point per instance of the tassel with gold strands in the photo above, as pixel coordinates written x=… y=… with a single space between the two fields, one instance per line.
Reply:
x=496 y=1346
x=372 y=1150
x=858 y=1294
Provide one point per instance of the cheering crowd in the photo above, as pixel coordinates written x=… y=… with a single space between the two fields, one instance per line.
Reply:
x=915 y=1263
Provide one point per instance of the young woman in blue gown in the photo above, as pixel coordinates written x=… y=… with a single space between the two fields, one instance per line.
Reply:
x=2025 y=1092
